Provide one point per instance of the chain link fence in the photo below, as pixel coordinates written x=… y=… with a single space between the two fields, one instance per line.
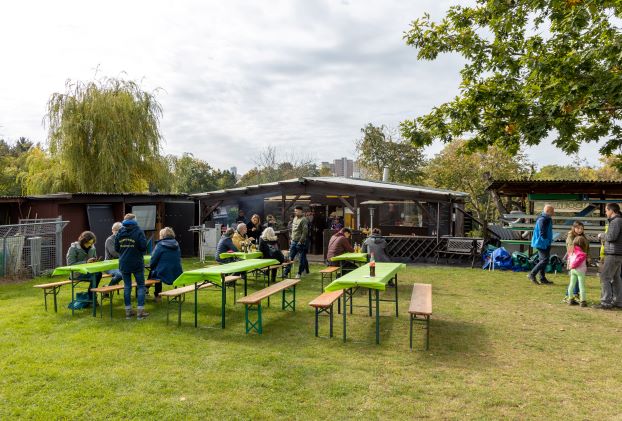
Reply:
x=31 y=247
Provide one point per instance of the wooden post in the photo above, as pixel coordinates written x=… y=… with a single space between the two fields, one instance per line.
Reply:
x=438 y=221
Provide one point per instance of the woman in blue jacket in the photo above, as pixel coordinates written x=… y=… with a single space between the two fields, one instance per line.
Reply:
x=165 y=261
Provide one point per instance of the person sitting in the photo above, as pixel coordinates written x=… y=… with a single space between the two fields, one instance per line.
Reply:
x=375 y=244
x=110 y=253
x=165 y=261
x=338 y=244
x=269 y=247
x=239 y=237
x=83 y=251
x=254 y=228
x=225 y=244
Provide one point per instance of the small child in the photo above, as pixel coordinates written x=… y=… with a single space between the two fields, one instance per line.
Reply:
x=577 y=258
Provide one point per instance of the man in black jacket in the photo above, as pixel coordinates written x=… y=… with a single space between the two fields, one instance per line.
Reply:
x=131 y=245
x=610 y=280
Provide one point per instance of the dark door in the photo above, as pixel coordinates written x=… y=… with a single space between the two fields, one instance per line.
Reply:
x=180 y=217
x=101 y=218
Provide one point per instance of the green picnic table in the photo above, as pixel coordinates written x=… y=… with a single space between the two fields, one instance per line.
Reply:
x=216 y=275
x=89 y=269
x=349 y=257
x=359 y=278
x=241 y=255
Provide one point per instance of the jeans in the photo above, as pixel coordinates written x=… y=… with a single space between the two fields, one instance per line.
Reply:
x=94 y=278
x=116 y=276
x=127 y=288
x=611 y=282
x=543 y=260
x=296 y=248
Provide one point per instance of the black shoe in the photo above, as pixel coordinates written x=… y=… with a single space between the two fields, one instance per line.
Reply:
x=545 y=281
x=601 y=306
x=572 y=302
x=583 y=304
x=533 y=279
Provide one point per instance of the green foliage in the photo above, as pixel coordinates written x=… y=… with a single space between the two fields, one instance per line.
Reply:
x=45 y=174
x=580 y=170
x=533 y=69
x=13 y=165
x=192 y=175
x=106 y=134
x=456 y=168
x=378 y=149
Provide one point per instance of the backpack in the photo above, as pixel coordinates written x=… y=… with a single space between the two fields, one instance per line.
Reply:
x=81 y=301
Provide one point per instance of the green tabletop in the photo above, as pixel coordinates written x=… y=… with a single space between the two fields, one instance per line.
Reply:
x=242 y=255
x=212 y=273
x=360 y=277
x=352 y=257
x=95 y=267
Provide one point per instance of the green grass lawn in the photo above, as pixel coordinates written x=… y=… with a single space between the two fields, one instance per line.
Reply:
x=499 y=347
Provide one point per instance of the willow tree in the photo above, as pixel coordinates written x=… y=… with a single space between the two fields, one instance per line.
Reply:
x=106 y=134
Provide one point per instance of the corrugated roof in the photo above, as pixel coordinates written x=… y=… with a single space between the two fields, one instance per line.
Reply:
x=343 y=181
x=84 y=194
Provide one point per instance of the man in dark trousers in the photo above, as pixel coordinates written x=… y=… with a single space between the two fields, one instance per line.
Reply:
x=541 y=240
x=131 y=245
x=298 y=245
x=610 y=280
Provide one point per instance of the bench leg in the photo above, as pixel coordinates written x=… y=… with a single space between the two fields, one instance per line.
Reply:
x=180 y=301
x=427 y=333
x=196 y=305
x=377 y=317
x=223 y=302
x=411 y=331
x=168 y=307
x=317 y=316
x=330 y=317
x=256 y=325
x=289 y=304
x=56 y=290
x=345 y=312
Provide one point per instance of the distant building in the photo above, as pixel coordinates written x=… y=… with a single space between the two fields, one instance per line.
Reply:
x=342 y=167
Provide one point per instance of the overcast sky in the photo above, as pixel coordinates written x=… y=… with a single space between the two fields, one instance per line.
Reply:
x=235 y=76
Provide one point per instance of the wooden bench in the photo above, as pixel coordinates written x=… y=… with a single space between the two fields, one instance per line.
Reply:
x=110 y=289
x=51 y=288
x=421 y=305
x=328 y=273
x=324 y=304
x=267 y=270
x=179 y=295
x=252 y=302
x=459 y=247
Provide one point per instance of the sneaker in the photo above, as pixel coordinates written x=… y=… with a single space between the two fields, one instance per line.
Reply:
x=533 y=279
x=583 y=304
x=545 y=281
x=298 y=276
x=142 y=314
x=572 y=302
x=129 y=314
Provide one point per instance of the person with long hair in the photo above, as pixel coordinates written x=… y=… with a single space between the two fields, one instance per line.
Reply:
x=269 y=247
x=576 y=231
x=577 y=258
x=254 y=228
x=83 y=251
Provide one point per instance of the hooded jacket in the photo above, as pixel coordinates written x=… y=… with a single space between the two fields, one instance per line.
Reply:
x=543 y=232
x=375 y=244
x=77 y=255
x=166 y=261
x=613 y=236
x=338 y=245
x=131 y=245
x=577 y=260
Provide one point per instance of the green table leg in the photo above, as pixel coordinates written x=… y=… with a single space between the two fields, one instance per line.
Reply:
x=377 y=317
x=345 y=311
x=223 y=301
x=369 y=294
x=196 y=306
x=93 y=294
x=396 y=307
x=72 y=293
x=244 y=277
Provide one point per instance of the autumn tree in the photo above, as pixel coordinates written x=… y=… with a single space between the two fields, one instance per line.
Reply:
x=379 y=148
x=534 y=70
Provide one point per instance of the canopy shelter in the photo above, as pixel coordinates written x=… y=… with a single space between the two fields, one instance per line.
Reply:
x=400 y=208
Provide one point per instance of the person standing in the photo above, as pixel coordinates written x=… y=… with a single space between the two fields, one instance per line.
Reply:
x=541 y=240
x=610 y=280
x=298 y=244
x=131 y=245
x=110 y=253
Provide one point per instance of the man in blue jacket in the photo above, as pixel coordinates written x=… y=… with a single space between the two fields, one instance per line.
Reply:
x=131 y=245
x=541 y=240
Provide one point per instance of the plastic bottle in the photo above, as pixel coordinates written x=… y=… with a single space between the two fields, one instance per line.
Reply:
x=372 y=266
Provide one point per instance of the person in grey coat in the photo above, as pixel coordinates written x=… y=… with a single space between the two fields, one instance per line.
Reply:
x=610 y=279
x=375 y=244
x=110 y=253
